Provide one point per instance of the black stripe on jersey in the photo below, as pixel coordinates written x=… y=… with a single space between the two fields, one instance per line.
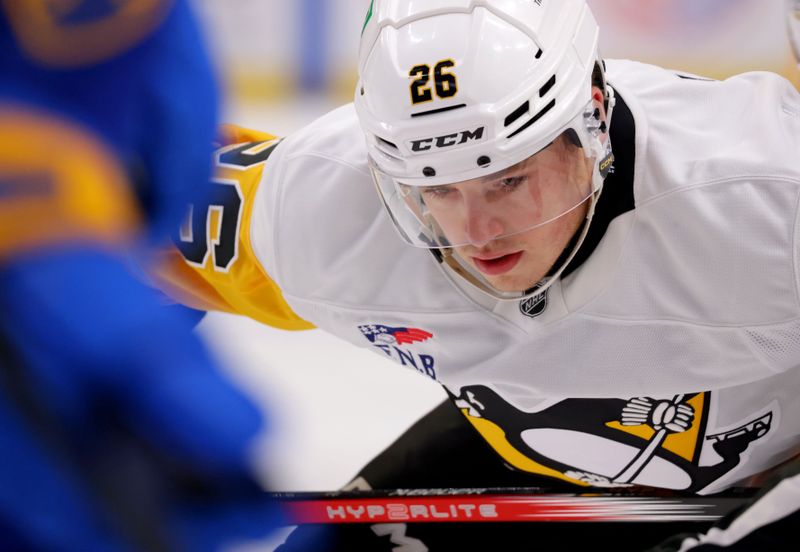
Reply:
x=617 y=196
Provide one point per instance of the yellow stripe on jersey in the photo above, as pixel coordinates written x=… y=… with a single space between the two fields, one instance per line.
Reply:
x=219 y=269
x=58 y=184
x=62 y=34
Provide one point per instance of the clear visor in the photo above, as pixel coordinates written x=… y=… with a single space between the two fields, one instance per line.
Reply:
x=530 y=194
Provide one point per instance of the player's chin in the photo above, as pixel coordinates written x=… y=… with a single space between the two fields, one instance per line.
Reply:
x=519 y=279
x=511 y=283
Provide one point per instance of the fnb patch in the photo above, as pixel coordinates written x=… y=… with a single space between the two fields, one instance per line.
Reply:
x=390 y=339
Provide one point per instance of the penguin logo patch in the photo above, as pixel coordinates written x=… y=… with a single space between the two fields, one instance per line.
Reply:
x=654 y=441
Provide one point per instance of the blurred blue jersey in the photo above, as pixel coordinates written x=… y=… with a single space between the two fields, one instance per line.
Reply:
x=117 y=431
x=153 y=102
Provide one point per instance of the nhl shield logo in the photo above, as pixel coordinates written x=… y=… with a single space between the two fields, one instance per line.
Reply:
x=534 y=306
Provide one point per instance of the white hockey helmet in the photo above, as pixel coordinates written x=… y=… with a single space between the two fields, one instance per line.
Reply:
x=455 y=91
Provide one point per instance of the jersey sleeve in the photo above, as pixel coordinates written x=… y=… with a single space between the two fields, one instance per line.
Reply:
x=213 y=265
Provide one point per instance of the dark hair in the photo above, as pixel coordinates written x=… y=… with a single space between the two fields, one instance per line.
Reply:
x=597 y=76
x=598 y=80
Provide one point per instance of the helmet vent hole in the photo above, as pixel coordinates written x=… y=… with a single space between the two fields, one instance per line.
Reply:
x=429 y=171
x=386 y=142
x=517 y=113
x=539 y=53
x=535 y=118
x=547 y=86
x=484 y=160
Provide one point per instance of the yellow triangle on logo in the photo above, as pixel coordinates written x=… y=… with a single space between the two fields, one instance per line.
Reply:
x=683 y=444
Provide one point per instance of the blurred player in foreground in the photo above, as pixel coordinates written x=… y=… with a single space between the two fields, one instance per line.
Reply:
x=598 y=261
x=117 y=432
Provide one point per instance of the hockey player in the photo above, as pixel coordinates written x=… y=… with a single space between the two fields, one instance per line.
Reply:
x=117 y=432
x=598 y=261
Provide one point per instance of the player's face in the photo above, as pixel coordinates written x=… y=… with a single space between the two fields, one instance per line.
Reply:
x=513 y=225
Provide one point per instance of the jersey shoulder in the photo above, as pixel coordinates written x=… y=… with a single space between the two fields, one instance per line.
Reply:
x=214 y=265
x=294 y=229
x=693 y=131
x=320 y=229
x=319 y=174
x=224 y=257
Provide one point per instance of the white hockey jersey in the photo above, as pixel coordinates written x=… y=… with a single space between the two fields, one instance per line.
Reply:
x=667 y=355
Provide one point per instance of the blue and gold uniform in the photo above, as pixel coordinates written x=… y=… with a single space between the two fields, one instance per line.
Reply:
x=110 y=409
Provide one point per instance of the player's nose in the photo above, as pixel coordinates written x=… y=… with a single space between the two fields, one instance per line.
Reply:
x=481 y=225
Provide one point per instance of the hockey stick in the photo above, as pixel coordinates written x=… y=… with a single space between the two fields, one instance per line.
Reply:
x=505 y=505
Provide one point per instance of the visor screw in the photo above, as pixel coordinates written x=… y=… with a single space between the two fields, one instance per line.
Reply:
x=484 y=160
x=429 y=171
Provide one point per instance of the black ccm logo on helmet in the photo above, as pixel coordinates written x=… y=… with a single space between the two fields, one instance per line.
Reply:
x=448 y=140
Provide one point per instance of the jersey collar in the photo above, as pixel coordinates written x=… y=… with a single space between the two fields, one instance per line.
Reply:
x=617 y=197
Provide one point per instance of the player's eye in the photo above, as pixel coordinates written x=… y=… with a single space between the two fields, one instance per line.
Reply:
x=510 y=183
x=437 y=192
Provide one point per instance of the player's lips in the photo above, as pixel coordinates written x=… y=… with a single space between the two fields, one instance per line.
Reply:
x=496 y=265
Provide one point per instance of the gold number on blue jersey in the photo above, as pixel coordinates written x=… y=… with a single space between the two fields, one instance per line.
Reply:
x=444 y=84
